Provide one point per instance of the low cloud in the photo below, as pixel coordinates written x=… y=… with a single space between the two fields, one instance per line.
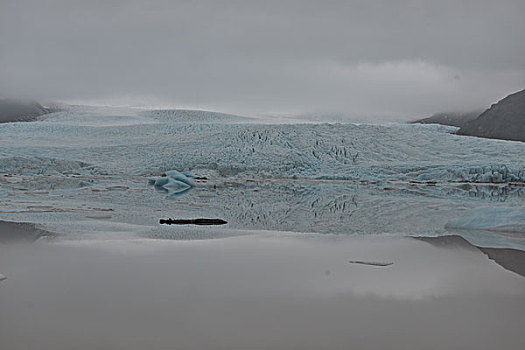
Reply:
x=392 y=60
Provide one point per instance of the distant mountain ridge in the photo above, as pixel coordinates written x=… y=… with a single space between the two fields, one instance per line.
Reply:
x=504 y=120
x=20 y=111
x=458 y=119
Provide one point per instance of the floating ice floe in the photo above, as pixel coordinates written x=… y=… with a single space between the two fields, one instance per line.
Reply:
x=500 y=219
x=174 y=180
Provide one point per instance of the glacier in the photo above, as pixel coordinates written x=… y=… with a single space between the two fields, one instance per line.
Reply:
x=322 y=151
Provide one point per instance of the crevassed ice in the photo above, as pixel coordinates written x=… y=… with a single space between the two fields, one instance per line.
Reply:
x=62 y=143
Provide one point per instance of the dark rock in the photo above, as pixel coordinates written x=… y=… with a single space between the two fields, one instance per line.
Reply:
x=20 y=231
x=193 y=222
x=20 y=111
x=504 y=120
x=510 y=259
x=450 y=118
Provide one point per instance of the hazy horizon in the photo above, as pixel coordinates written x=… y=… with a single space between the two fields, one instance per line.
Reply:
x=377 y=59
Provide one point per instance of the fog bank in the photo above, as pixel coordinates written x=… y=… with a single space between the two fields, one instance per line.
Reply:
x=380 y=59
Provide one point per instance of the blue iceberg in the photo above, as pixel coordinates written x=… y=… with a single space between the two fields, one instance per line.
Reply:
x=173 y=181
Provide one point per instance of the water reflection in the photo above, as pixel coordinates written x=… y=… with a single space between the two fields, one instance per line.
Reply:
x=332 y=207
x=259 y=291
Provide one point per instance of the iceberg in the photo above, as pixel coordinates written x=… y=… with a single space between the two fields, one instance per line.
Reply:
x=174 y=180
x=180 y=177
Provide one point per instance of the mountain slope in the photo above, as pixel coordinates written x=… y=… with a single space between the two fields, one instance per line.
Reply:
x=450 y=118
x=20 y=111
x=504 y=120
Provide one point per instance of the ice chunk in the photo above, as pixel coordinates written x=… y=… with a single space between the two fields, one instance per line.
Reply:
x=501 y=219
x=167 y=182
x=188 y=174
x=171 y=184
x=178 y=176
x=173 y=180
x=161 y=181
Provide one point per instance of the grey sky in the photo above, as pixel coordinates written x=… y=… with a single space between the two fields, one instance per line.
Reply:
x=378 y=58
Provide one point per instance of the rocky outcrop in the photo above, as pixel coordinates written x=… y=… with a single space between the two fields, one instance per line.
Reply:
x=20 y=231
x=504 y=120
x=450 y=118
x=20 y=111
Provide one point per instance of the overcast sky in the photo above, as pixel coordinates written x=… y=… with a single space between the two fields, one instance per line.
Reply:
x=396 y=58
